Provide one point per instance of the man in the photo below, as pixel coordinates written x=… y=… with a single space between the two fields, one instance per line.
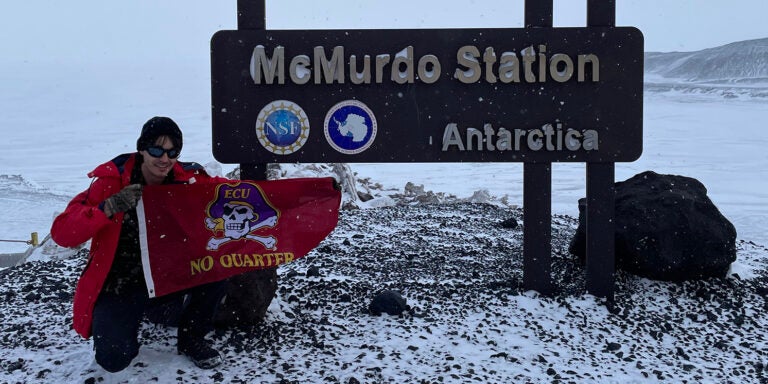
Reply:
x=111 y=295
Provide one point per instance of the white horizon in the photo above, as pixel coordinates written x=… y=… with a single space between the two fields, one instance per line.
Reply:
x=49 y=31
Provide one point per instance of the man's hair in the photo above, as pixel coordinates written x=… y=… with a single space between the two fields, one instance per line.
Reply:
x=156 y=127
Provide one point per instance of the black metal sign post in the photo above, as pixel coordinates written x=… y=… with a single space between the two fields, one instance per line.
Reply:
x=537 y=191
x=600 y=249
x=251 y=15
x=535 y=95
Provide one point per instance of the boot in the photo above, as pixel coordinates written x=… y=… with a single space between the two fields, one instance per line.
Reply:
x=200 y=351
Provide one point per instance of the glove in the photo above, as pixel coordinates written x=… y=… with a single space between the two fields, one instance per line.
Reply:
x=122 y=201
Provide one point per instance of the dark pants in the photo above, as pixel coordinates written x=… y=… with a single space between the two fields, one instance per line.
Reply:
x=117 y=317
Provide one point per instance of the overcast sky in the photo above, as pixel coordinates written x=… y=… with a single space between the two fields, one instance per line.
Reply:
x=142 y=30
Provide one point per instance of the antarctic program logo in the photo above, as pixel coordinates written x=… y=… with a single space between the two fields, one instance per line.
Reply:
x=282 y=127
x=350 y=127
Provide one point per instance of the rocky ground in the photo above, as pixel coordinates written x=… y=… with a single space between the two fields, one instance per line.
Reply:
x=459 y=268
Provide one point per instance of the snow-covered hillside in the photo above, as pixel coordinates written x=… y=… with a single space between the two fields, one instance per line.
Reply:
x=744 y=62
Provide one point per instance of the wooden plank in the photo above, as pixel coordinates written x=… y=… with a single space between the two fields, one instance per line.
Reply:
x=538 y=13
x=537 y=227
x=600 y=229
x=253 y=171
x=601 y=13
x=251 y=14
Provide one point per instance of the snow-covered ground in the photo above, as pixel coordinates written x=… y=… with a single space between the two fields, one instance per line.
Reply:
x=469 y=322
x=469 y=319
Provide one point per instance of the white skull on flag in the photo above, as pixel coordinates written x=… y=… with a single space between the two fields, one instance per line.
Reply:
x=236 y=211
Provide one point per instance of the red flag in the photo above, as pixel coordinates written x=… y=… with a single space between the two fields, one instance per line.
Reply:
x=192 y=234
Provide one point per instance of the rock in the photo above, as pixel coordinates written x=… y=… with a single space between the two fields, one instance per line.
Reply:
x=481 y=196
x=418 y=194
x=313 y=271
x=16 y=365
x=247 y=299
x=42 y=374
x=510 y=223
x=364 y=196
x=347 y=182
x=666 y=229
x=412 y=189
x=388 y=301
x=428 y=198
x=165 y=310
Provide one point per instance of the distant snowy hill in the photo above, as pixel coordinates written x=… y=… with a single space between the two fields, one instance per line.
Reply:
x=744 y=62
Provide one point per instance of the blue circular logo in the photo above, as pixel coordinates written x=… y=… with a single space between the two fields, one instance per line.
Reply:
x=350 y=127
x=282 y=127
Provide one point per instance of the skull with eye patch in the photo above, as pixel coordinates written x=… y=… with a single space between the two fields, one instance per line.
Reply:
x=237 y=217
x=237 y=212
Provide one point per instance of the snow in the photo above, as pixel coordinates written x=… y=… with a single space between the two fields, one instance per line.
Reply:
x=59 y=123
x=469 y=320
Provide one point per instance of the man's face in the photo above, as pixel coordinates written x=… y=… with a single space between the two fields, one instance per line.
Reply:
x=156 y=168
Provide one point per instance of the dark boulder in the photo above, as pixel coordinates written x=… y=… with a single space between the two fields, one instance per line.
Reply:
x=314 y=271
x=247 y=299
x=666 y=229
x=510 y=223
x=165 y=310
x=388 y=301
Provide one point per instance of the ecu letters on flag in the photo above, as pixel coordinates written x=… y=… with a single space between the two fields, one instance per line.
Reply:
x=193 y=234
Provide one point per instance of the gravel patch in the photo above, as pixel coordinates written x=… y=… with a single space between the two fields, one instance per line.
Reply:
x=467 y=319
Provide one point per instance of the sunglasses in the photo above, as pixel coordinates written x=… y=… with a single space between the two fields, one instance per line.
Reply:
x=158 y=151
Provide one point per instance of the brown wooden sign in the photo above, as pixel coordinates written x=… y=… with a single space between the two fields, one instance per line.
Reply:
x=533 y=95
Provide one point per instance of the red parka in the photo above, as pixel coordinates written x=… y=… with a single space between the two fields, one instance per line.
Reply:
x=83 y=220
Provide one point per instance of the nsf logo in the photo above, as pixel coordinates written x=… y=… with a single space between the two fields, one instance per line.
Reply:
x=282 y=127
x=350 y=127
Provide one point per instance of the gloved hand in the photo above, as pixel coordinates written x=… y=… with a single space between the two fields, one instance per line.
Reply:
x=122 y=201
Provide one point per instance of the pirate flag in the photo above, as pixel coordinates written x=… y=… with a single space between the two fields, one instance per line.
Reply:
x=192 y=234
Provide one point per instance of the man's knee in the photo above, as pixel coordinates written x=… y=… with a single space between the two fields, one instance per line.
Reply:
x=115 y=345
x=116 y=321
x=115 y=359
